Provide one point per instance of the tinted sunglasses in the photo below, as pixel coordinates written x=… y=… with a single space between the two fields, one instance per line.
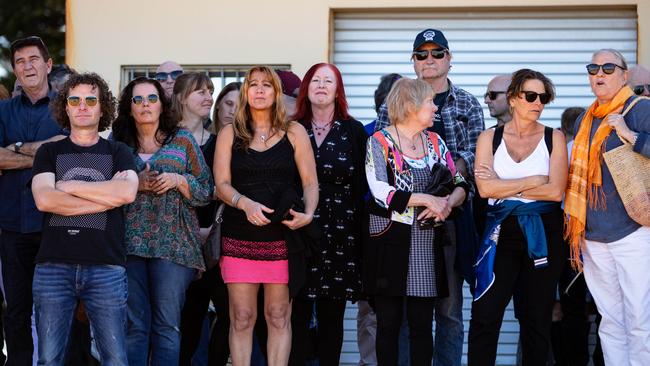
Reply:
x=139 y=99
x=492 y=95
x=639 y=89
x=531 y=97
x=437 y=53
x=90 y=101
x=608 y=68
x=162 y=76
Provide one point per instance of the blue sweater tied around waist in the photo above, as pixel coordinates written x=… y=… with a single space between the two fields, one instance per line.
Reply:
x=530 y=222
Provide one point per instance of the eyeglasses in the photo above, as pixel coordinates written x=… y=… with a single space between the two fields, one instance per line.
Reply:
x=74 y=101
x=608 y=68
x=639 y=89
x=531 y=97
x=437 y=53
x=139 y=99
x=162 y=76
x=492 y=95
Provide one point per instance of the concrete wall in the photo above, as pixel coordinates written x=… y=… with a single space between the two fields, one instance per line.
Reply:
x=103 y=35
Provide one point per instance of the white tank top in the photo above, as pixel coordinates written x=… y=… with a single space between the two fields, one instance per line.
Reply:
x=537 y=163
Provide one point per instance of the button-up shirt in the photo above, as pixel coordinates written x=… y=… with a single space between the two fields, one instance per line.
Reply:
x=462 y=117
x=24 y=121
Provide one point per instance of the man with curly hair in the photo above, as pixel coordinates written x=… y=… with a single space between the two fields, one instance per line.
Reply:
x=80 y=183
x=25 y=124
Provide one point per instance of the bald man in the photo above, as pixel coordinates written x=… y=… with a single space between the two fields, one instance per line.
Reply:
x=639 y=80
x=166 y=75
x=496 y=100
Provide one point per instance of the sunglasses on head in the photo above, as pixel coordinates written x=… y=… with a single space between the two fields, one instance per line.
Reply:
x=437 y=53
x=639 y=89
x=162 y=76
x=139 y=99
x=74 y=101
x=608 y=68
x=492 y=95
x=531 y=97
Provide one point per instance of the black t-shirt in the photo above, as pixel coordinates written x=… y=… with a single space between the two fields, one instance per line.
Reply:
x=438 y=124
x=84 y=239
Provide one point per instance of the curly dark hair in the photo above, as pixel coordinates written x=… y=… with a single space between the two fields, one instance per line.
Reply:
x=106 y=99
x=520 y=77
x=124 y=129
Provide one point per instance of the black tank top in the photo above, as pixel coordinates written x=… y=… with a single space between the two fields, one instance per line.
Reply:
x=262 y=177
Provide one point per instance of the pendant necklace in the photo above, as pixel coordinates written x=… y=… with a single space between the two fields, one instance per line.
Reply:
x=320 y=129
x=400 y=141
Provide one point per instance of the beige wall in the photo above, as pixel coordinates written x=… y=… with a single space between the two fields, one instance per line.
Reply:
x=103 y=35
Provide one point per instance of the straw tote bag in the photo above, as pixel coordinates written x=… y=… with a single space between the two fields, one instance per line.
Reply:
x=631 y=174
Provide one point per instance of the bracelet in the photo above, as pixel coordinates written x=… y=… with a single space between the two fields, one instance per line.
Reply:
x=235 y=199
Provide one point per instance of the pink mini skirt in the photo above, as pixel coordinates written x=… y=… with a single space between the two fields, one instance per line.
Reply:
x=240 y=270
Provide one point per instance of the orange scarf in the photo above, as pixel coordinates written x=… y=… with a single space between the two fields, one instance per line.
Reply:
x=585 y=183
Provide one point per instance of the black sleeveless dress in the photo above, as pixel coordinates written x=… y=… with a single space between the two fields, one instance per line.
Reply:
x=250 y=253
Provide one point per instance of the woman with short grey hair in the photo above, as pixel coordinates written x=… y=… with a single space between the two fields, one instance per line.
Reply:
x=404 y=259
x=614 y=248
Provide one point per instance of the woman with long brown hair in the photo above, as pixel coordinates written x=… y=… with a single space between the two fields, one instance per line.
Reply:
x=259 y=158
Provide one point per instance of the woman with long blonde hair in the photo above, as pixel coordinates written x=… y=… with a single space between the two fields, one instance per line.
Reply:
x=256 y=162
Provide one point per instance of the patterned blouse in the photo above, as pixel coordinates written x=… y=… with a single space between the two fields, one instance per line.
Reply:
x=383 y=150
x=166 y=226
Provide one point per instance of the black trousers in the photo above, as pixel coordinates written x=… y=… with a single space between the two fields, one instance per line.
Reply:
x=514 y=271
x=197 y=298
x=419 y=315
x=571 y=346
x=18 y=252
x=329 y=339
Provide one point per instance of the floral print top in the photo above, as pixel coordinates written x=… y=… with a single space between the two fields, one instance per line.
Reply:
x=166 y=226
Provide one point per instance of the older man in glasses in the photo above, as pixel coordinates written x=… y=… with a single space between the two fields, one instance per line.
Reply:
x=459 y=121
x=639 y=80
x=25 y=124
x=495 y=98
x=166 y=75
x=80 y=184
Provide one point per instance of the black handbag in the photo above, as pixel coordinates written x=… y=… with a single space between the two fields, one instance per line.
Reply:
x=212 y=245
x=441 y=184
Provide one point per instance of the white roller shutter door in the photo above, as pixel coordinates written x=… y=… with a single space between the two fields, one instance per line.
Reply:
x=483 y=43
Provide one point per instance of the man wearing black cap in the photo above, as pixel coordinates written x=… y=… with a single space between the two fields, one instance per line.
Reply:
x=459 y=121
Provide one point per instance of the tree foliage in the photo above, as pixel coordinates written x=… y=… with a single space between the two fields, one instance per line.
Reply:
x=23 y=18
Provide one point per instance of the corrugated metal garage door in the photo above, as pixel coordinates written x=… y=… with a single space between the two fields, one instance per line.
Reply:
x=557 y=43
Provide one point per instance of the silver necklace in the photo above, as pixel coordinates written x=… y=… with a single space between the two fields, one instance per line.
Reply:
x=412 y=143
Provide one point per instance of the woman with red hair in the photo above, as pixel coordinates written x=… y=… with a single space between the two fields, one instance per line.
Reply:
x=333 y=276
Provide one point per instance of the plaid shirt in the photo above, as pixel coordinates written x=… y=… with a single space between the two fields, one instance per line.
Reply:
x=463 y=118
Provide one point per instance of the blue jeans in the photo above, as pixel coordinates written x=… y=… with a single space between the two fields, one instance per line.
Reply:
x=57 y=289
x=156 y=297
x=448 y=342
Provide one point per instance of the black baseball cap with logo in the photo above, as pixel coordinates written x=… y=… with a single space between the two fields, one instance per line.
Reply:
x=430 y=36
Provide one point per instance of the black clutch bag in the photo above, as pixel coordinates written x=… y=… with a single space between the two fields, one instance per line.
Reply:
x=441 y=184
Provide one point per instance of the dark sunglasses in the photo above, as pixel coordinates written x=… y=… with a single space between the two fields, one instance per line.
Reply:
x=162 y=76
x=639 y=89
x=139 y=99
x=437 y=53
x=608 y=68
x=74 y=101
x=492 y=95
x=531 y=97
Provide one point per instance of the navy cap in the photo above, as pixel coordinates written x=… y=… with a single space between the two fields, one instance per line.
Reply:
x=430 y=36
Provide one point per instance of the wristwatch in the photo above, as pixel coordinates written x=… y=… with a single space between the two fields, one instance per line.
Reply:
x=17 y=146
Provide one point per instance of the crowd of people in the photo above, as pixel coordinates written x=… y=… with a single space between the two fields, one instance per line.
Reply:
x=318 y=210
